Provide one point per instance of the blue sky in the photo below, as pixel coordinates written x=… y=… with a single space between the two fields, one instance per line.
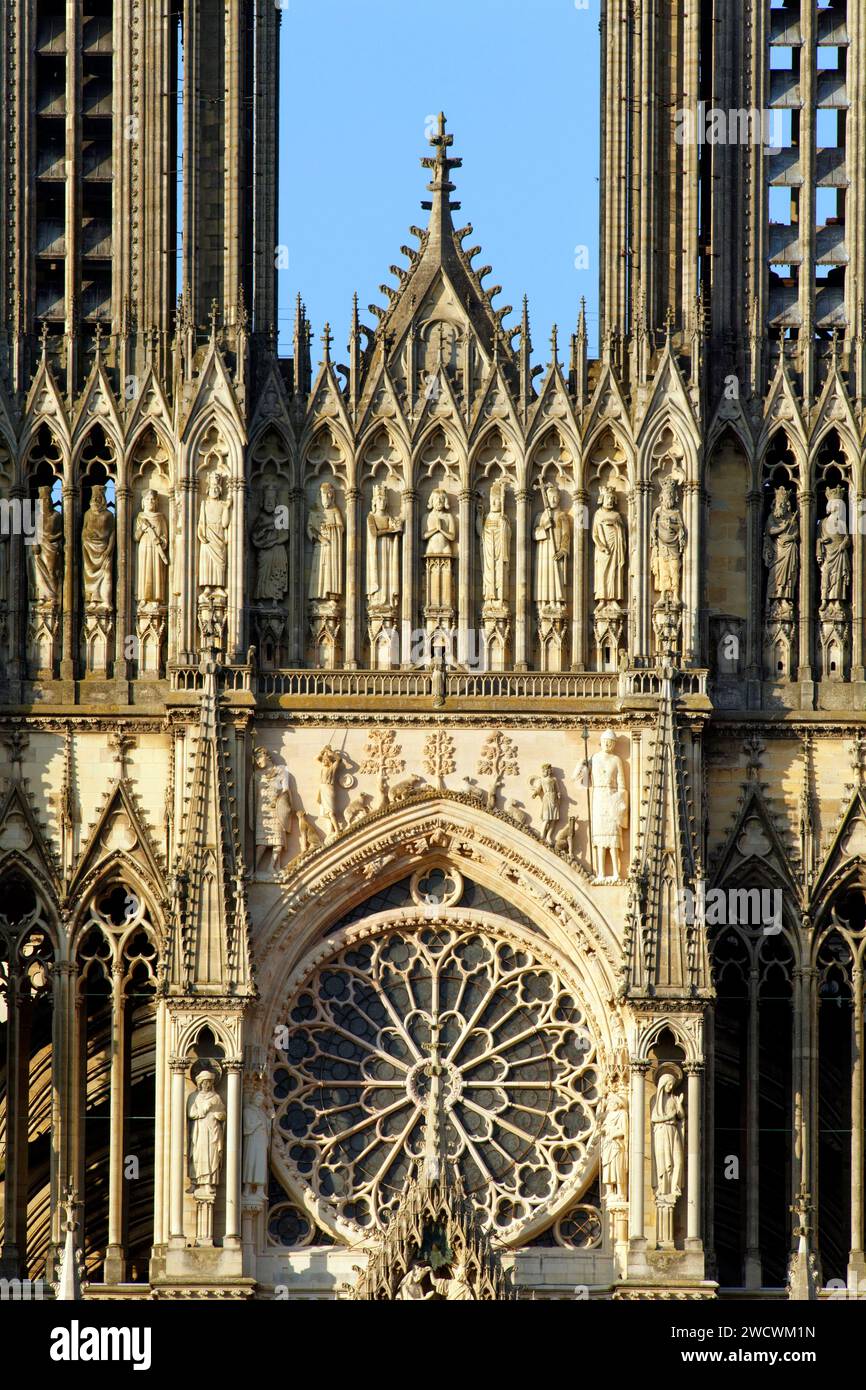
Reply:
x=518 y=81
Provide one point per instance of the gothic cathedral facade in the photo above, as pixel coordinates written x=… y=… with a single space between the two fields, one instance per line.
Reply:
x=432 y=815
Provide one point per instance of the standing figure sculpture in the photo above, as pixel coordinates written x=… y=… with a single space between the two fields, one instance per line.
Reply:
x=613 y=1147
x=214 y=519
x=151 y=535
x=269 y=542
x=257 y=1125
x=207 y=1118
x=781 y=550
x=609 y=548
x=667 y=543
x=552 y=534
x=270 y=808
x=546 y=788
x=331 y=760
x=666 y=1120
x=608 y=806
x=383 y=552
x=97 y=544
x=833 y=549
x=440 y=535
x=45 y=556
x=495 y=533
x=325 y=528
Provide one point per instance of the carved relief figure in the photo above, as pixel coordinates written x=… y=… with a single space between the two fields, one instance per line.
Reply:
x=834 y=549
x=151 y=535
x=495 y=535
x=325 y=527
x=214 y=519
x=608 y=807
x=456 y=1286
x=257 y=1124
x=666 y=1119
x=46 y=555
x=552 y=535
x=207 y=1117
x=613 y=1146
x=667 y=543
x=609 y=542
x=440 y=535
x=270 y=808
x=782 y=548
x=269 y=543
x=383 y=551
x=331 y=760
x=97 y=544
x=546 y=788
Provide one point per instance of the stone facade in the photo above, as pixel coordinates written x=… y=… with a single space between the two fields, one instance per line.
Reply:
x=433 y=787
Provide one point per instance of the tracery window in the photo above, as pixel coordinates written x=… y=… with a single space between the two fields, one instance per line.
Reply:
x=432 y=1048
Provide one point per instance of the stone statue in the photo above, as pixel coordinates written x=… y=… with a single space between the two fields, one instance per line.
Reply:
x=782 y=548
x=546 y=788
x=613 y=1146
x=383 y=551
x=834 y=549
x=331 y=760
x=608 y=804
x=411 y=1286
x=151 y=535
x=214 y=519
x=609 y=541
x=667 y=543
x=270 y=808
x=456 y=1286
x=325 y=527
x=207 y=1117
x=440 y=535
x=97 y=544
x=552 y=534
x=272 y=557
x=257 y=1124
x=46 y=555
x=495 y=533
x=666 y=1119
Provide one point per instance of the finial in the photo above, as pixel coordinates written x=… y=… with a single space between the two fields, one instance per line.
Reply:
x=669 y=326
x=97 y=341
x=327 y=339
x=43 y=339
x=554 y=343
x=214 y=315
x=442 y=163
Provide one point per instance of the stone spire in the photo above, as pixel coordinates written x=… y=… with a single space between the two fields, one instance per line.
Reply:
x=441 y=206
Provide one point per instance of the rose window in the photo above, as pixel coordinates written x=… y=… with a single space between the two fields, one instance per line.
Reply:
x=450 y=1049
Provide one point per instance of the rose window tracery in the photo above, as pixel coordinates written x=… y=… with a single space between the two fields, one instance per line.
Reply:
x=441 y=1048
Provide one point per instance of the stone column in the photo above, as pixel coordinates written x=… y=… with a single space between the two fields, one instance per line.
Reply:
x=189 y=580
x=582 y=557
x=856 y=1265
x=466 y=545
x=857 y=595
x=755 y=575
x=691 y=594
x=232 y=1238
x=236 y=578
x=353 y=564
x=523 y=581
x=297 y=597
x=640 y=573
x=177 y=1066
x=122 y=549
x=806 y=625
x=64 y=1089
x=693 y=1072
x=115 y=1255
x=637 y=1129
x=15 y=1219
x=407 y=598
x=67 y=663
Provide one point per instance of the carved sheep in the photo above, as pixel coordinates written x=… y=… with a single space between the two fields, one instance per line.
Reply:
x=469 y=789
x=357 y=808
x=516 y=812
x=406 y=787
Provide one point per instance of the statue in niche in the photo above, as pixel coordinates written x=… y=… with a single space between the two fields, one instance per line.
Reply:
x=383 y=551
x=207 y=1117
x=97 y=544
x=613 y=1146
x=782 y=548
x=272 y=557
x=46 y=555
x=455 y=1287
x=495 y=533
x=608 y=806
x=609 y=542
x=214 y=519
x=834 y=549
x=257 y=1125
x=440 y=535
x=546 y=788
x=666 y=1119
x=151 y=535
x=325 y=527
x=552 y=535
x=270 y=808
x=667 y=543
